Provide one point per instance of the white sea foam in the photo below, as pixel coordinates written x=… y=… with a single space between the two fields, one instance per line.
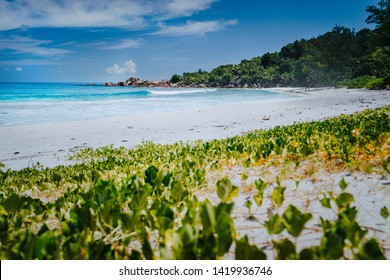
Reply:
x=173 y=92
x=44 y=103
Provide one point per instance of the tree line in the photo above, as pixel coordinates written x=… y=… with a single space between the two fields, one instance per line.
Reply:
x=341 y=57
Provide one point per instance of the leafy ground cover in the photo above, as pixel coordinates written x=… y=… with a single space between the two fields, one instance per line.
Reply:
x=178 y=201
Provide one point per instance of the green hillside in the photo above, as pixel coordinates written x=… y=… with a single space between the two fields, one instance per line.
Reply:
x=341 y=57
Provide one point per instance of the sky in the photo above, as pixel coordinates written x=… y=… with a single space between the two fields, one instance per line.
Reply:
x=101 y=41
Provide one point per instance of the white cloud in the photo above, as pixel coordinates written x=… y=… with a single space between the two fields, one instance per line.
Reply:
x=106 y=44
x=30 y=61
x=116 y=69
x=128 y=67
x=133 y=14
x=187 y=7
x=194 y=27
x=70 y=13
x=23 y=44
x=19 y=69
x=123 y=44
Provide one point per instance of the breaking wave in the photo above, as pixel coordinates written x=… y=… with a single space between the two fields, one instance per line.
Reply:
x=173 y=92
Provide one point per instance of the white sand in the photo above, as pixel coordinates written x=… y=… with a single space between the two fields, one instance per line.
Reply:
x=51 y=144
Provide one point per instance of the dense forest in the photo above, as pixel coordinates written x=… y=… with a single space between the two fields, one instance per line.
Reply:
x=341 y=57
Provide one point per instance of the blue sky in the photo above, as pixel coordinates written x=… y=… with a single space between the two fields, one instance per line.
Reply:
x=100 y=40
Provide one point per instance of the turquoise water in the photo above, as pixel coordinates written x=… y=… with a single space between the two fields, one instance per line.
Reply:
x=28 y=103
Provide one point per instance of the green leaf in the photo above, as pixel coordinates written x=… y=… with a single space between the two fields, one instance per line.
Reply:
x=294 y=220
x=258 y=198
x=248 y=204
x=100 y=250
x=312 y=253
x=274 y=225
x=167 y=212
x=332 y=246
x=147 y=249
x=179 y=191
x=344 y=200
x=224 y=228
x=47 y=246
x=326 y=225
x=348 y=228
x=207 y=214
x=135 y=255
x=285 y=250
x=226 y=191
x=245 y=251
x=167 y=179
x=277 y=196
x=370 y=169
x=150 y=175
x=343 y=185
x=13 y=203
x=297 y=185
x=386 y=164
x=260 y=185
x=163 y=217
x=370 y=251
x=82 y=217
x=385 y=212
x=325 y=202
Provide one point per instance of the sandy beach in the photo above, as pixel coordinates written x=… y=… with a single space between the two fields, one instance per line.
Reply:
x=51 y=144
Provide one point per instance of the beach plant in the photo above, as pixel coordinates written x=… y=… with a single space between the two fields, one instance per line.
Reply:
x=226 y=191
x=277 y=196
x=385 y=212
x=144 y=202
x=259 y=196
x=274 y=225
x=246 y=251
x=294 y=220
x=208 y=234
x=248 y=205
x=386 y=164
x=344 y=237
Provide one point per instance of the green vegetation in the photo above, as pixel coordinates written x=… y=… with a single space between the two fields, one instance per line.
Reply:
x=369 y=82
x=341 y=57
x=143 y=203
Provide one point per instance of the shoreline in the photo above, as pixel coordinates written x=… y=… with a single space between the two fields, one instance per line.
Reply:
x=51 y=143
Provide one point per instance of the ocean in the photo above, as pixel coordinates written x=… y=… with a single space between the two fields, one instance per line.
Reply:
x=32 y=103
